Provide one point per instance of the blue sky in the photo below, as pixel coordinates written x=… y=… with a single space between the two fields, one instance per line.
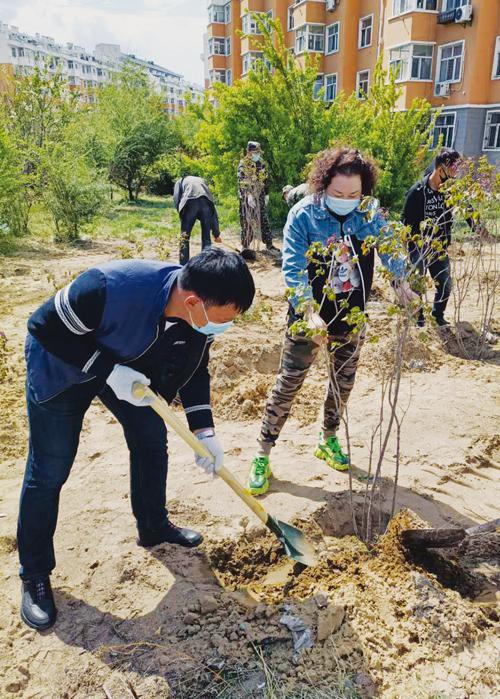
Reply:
x=169 y=32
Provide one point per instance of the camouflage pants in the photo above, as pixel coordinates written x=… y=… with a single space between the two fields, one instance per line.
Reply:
x=253 y=220
x=298 y=355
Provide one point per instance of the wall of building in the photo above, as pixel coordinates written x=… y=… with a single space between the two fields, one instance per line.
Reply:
x=471 y=96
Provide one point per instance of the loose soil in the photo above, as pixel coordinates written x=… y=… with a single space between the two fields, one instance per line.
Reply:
x=207 y=622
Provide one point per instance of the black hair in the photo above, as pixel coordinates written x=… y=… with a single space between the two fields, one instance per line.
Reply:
x=219 y=278
x=446 y=157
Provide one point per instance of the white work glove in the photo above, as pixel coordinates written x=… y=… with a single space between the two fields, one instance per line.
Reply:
x=209 y=440
x=266 y=199
x=316 y=322
x=122 y=379
x=251 y=200
x=405 y=294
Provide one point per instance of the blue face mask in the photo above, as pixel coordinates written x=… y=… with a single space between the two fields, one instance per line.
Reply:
x=342 y=207
x=211 y=328
x=255 y=157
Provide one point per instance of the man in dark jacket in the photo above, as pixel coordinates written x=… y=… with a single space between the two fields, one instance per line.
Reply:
x=253 y=196
x=116 y=324
x=195 y=202
x=426 y=202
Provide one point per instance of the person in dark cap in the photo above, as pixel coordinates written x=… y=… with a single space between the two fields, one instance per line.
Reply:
x=426 y=201
x=253 y=195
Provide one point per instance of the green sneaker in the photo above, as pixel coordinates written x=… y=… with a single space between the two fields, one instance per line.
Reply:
x=260 y=473
x=330 y=451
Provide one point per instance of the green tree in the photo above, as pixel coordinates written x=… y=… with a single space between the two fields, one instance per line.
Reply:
x=137 y=152
x=274 y=106
x=126 y=132
x=13 y=213
x=73 y=194
x=36 y=109
x=277 y=105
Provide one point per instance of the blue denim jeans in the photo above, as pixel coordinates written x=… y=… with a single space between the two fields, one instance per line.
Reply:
x=55 y=427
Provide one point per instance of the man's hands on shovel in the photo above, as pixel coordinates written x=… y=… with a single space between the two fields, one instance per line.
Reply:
x=122 y=379
x=214 y=463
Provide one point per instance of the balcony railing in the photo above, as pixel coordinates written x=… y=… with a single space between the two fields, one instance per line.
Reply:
x=446 y=17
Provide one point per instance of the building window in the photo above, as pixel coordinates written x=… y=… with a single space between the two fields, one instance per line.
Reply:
x=332 y=38
x=365 y=31
x=450 y=62
x=220 y=13
x=330 y=87
x=318 y=84
x=496 y=61
x=492 y=131
x=13 y=51
x=454 y=4
x=249 y=25
x=362 y=84
x=412 y=62
x=399 y=7
x=398 y=62
x=445 y=126
x=290 y=20
x=220 y=76
x=248 y=60
x=421 y=62
x=217 y=46
x=310 y=37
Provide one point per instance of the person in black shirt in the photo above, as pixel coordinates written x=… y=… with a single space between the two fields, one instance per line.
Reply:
x=426 y=202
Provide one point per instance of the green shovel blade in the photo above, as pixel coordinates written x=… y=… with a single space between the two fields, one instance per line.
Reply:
x=294 y=541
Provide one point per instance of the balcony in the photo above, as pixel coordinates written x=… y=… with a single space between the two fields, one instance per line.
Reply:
x=446 y=17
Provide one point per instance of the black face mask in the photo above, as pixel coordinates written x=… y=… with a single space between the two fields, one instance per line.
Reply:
x=444 y=177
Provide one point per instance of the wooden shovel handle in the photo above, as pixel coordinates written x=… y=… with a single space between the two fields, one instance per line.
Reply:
x=163 y=409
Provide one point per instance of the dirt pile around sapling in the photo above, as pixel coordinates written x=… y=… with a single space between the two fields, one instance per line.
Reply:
x=391 y=608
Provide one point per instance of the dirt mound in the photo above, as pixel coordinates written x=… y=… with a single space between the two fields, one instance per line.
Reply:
x=390 y=607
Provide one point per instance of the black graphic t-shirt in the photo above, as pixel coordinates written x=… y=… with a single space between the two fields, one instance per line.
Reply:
x=424 y=203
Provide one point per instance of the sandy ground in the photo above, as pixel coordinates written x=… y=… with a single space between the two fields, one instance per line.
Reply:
x=206 y=623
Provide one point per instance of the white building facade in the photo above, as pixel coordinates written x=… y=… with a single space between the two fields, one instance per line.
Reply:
x=85 y=71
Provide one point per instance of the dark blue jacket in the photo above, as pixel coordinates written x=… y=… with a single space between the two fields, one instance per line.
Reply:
x=113 y=314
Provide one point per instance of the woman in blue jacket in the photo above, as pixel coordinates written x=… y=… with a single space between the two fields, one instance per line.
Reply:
x=323 y=288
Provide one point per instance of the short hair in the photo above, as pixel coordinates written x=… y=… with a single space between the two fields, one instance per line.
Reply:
x=446 y=157
x=287 y=188
x=219 y=278
x=253 y=145
x=342 y=161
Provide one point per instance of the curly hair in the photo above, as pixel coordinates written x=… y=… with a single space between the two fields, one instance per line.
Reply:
x=342 y=161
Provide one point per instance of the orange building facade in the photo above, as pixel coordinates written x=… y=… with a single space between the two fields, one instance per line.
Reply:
x=447 y=51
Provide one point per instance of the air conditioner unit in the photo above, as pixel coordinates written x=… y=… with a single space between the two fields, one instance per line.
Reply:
x=442 y=89
x=463 y=14
x=331 y=5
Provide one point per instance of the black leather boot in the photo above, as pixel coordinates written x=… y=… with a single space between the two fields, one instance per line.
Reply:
x=38 y=609
x=170 y=534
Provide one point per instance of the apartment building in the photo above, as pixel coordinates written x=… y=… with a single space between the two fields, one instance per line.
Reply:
x=446 y=51
x=84 y=70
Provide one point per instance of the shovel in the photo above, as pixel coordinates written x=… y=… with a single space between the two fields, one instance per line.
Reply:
x=294 y=542
x=246 y=253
